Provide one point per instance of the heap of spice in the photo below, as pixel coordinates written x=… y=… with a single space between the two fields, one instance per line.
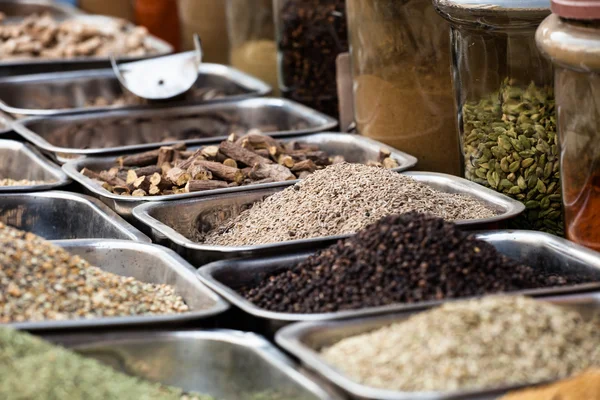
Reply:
x=340 y=199
x=510 y=145
x=40 y=281
x=41 y=36
x=404 y=258
x=585 y=386
x=486 y=343
x=20 y=182
x=251 y=159
x=37 y=370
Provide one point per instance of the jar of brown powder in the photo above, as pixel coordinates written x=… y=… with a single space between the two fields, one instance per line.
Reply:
x=402 y=81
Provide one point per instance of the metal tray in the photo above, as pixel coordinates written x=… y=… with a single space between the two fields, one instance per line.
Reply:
x=225 y=364
x=22 y=8
x=540 y=250
x=119 y=131
x=28 y=66
x=147 y=263
x=304 y=340
x=63 y=92
x=174 y=224
x=354 y=148
x=58 y=215
x=20 y=161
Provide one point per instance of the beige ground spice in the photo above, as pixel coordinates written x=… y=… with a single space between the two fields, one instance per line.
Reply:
x=484 y=343
x=340 y=199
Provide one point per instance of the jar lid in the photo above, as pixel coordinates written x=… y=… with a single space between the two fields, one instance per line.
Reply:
x=576 y=9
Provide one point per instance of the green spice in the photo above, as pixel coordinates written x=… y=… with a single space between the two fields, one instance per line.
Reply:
x=36 y=370
x=510 y=145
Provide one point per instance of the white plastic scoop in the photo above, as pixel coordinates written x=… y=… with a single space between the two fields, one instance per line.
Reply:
x=161 y=78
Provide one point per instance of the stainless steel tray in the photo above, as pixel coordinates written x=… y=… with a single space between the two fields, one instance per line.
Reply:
x=119 y=131
x=540 y=250
x=225 y=364
x=28 y=66
x=22 y=8
x=147 y=263
x=20 y=161
x=58 y=215
x=63 y=92
x=174 y=224
x=304 y=340
x=354 y=148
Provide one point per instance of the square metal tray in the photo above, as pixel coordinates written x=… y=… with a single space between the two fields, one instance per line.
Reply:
x=539 y=250
x=63 y=92
x=225 y=364
x=304 y=340
x=120 y=131
x=354 y=148
x=20 y=161
x=147 y=263
x=28 y=66
x=174 y=224
x=56 y=215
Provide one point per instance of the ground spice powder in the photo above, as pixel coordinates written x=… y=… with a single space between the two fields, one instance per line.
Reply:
x=340 y=199
x=485 y=343
x=582 y=387
x=40 y=281
x=33 y=369
x=405 y=258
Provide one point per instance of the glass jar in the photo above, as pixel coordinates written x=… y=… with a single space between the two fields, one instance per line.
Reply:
x=310 y=36
x=571 y=39
x=252 y=46
x=207 y=19
x=505 y=102
x=402 y=79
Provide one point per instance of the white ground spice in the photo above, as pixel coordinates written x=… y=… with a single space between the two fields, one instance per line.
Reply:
x=340 y=199
x=490 y=342
x=40 y=281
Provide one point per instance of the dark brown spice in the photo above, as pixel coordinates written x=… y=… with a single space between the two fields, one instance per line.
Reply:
x=312 y=34
x=404 y=258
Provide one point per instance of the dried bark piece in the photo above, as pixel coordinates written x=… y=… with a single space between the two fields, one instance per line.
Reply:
x=242 y=155
x=138 y=193
x=201 y=185
x=224 y=172
x=178 y=176
x=275 y=171
x=140 y=159
x=199 y=172
x=306 y=165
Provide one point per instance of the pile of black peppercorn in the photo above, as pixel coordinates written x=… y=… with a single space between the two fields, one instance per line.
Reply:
x=404 y=258
x=312 y=34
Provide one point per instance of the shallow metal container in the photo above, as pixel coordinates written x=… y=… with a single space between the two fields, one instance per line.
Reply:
x=20 y=161
x=22 y=8
x=28 y=66
x=58 y=215
x=119 y=131
x=225 y=364
x=539 y=250
x=304 y=340
x=354 y=148
x=63 y=92
x=147 y=263
x=175 y=224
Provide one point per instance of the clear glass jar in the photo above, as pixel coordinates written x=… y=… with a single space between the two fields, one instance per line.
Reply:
x=402 y=79
x=505 y=102
x=574 y=48
x=252 y=47
x=310 y=35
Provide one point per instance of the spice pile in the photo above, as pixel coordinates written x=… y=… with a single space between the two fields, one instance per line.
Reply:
x=34 y=369
x=39 y=281
x=202 y=94
x=511 y=145
x=404 y=258
x=44 y=37
x=341 y=199
x=486 y=343
x=20 y=182
x=251 y=159
x=585 y=386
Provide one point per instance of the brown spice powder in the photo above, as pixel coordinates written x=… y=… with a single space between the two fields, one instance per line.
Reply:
x=582 y=387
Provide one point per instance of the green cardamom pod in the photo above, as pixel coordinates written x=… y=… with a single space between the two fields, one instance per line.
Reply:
x=514 y=167
x=541 y=186
x=532 y=204
x=514 y=190
x=528 y=162
x=545 y=203
x=521 y=182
